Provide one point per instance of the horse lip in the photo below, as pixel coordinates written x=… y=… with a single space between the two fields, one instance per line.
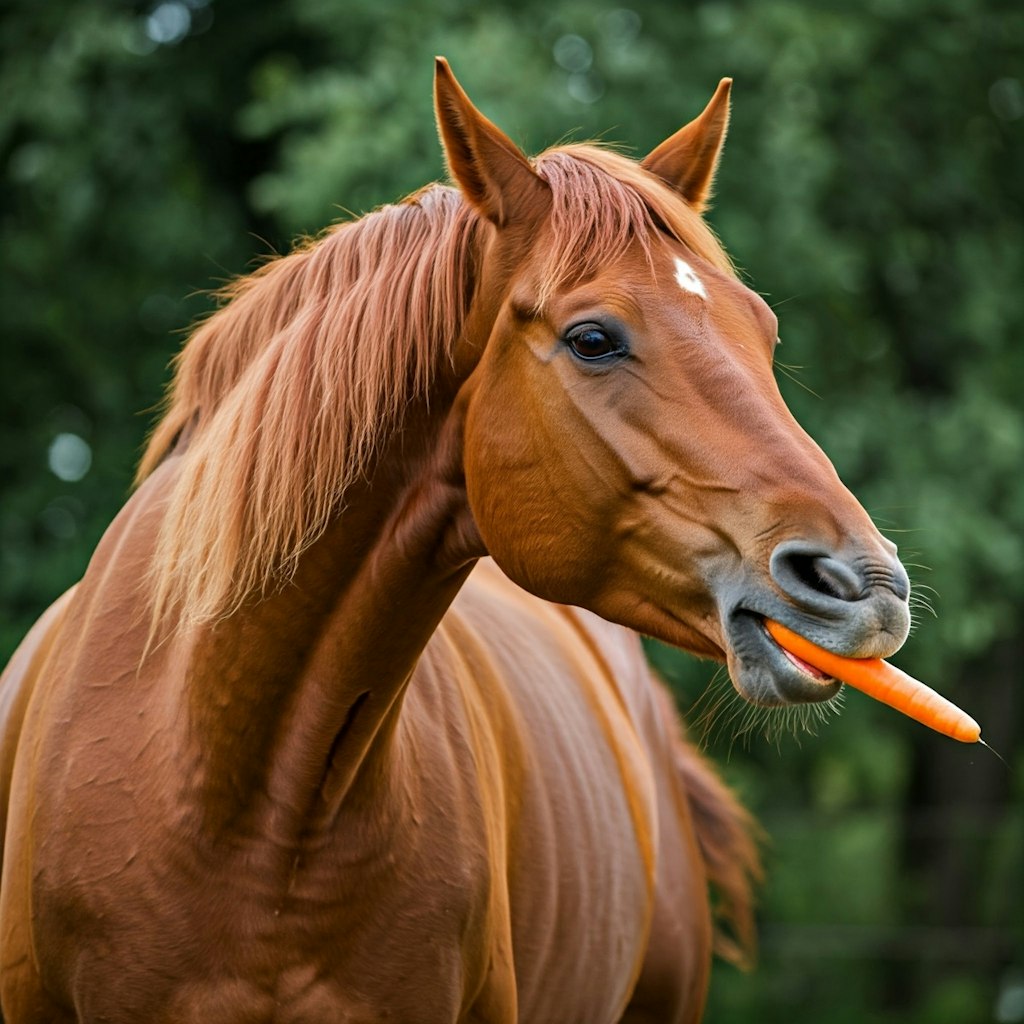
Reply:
x=763 y=672
x=806 y=667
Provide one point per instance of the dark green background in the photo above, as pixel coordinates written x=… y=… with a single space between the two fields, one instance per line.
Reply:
x=871 y=188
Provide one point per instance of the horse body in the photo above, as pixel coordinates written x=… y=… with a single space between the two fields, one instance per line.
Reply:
x=284 y=755
x=512 y=835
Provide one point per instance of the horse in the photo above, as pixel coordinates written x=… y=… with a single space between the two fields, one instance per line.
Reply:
x=348 y=718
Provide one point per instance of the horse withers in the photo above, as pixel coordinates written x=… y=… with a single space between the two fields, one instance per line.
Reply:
x=296 y=750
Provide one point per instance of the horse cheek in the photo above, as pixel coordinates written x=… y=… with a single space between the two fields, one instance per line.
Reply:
x=526 y=501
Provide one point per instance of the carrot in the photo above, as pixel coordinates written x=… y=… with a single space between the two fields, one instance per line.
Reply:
x=884 y=682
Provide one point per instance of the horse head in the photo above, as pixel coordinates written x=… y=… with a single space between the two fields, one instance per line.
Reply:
x=626 y=447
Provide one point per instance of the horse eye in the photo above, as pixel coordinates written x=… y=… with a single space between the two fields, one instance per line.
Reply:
x=590 y=342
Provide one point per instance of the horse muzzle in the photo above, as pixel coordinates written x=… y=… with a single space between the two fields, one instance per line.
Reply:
x=853 y=603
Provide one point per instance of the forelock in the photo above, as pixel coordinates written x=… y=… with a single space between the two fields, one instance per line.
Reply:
x=602 y=203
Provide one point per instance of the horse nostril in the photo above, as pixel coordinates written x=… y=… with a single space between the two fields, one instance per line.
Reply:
x=861 y=596
x=805 y=573
x=829 y=576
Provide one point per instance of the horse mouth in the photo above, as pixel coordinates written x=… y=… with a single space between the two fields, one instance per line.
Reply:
x=765 y=673
x=804 y=666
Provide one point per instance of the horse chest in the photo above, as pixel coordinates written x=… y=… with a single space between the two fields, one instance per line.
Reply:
x=352 y=934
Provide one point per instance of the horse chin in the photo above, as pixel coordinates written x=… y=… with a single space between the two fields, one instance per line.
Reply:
x=765 y=674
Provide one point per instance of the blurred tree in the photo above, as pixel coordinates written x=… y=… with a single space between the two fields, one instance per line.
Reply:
x=872 y=188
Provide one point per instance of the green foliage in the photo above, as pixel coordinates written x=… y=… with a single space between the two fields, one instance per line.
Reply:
x=872 y=188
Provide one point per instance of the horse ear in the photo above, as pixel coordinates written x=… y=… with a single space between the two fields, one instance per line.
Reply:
x=688 y=160
x=490 y=169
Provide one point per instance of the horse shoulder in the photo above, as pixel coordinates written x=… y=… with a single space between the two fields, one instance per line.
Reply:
x=17 y=684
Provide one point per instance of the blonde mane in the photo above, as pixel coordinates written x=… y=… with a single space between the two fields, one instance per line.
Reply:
x=287 y=393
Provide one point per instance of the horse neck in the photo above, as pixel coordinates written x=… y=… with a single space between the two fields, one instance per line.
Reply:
x=290 y=696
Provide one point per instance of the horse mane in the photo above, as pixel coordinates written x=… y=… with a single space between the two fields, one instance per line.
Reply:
x=289 y=390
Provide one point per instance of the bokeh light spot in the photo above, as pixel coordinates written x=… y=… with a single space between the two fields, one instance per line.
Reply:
x=169 y=23
x=69 y=457
x=573 y=53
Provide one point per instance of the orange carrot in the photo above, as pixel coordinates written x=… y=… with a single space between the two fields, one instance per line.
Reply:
x=884 y=682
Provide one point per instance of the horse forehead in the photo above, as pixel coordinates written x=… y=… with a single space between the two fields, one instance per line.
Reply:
x=661 y=275
x=688 y=279
x=680 y=271
x=700 y=286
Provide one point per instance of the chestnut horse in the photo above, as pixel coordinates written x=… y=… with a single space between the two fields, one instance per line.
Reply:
x=291 y=752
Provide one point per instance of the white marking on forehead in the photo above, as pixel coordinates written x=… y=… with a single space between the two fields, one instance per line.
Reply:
x=688 y=279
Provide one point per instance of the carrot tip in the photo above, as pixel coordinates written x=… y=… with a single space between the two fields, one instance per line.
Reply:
x=993 y=749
